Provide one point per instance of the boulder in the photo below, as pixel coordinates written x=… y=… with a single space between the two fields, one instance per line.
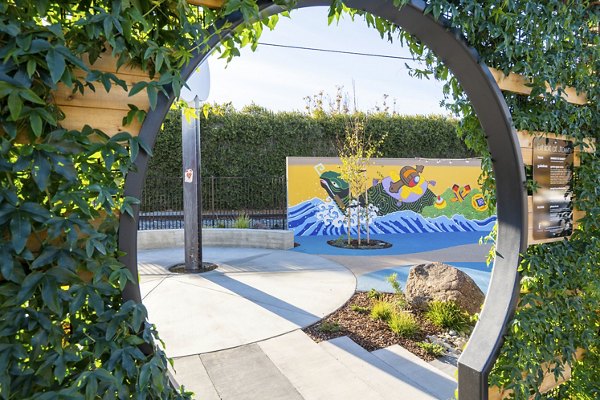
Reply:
x=437 y=281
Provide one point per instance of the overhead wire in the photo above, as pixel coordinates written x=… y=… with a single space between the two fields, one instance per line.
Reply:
x=354 y=53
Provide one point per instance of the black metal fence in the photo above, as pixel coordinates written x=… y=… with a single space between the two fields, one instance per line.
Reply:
x=225 y=201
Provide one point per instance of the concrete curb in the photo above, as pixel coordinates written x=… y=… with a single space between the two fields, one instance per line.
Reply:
x=221 y=237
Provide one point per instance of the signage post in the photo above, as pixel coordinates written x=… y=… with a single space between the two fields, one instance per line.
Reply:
x=199 y=85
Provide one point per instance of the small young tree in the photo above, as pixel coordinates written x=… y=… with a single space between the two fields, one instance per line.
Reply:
x=355 y=151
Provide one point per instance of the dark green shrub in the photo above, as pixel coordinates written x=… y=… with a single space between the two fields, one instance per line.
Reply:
x=360 y=309
x=329 y=327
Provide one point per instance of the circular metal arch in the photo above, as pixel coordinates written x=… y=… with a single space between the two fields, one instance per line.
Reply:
x=481 y=352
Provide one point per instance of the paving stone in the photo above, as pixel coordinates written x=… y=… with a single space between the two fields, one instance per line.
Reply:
x=190 y=372
x=246 y=373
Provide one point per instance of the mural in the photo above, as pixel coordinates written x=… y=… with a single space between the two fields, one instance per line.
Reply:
x=403 y=196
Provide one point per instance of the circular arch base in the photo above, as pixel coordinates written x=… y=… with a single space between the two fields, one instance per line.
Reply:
x=494 y=116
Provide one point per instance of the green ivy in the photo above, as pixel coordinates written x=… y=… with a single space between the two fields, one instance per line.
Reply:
x=65 y=331
x=557 y=42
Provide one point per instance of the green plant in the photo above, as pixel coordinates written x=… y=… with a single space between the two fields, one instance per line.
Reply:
x=329 y=327
x=433 y=349
x=404 y=324
x=393 y=280
x=382 y=310
x=374 y=294
x=66 y=330
x=355 y=151
x=60 y=189
x=446 y=314
x=360 y=309
x=243 y=222
x=235 y=142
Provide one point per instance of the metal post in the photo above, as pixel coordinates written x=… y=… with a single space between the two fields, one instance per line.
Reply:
x=192 y=190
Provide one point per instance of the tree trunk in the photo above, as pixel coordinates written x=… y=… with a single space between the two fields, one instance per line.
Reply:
x=358 y=225
x=367 y=213
x=349 y=214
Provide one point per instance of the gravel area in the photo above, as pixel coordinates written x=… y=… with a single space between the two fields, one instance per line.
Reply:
x=369 y=333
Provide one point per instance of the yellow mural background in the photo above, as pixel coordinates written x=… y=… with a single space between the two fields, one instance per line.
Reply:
x=303 y=180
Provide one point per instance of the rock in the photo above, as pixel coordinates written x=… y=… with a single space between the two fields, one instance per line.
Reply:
x=452 y=333
x=437 y=281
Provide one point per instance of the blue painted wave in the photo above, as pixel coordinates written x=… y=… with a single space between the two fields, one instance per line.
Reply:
x=317 y=218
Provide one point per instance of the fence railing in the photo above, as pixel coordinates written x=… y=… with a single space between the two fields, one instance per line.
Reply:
x=224 y=199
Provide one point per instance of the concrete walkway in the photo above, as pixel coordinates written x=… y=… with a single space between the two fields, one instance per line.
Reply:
x=253 y=295
x=234 y=332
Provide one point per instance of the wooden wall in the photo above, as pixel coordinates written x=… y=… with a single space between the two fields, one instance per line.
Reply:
x=100 y=109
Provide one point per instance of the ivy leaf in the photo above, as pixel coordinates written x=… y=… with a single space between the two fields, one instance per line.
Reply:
x=36 y=124
x=111 y=329
x=152 y=96
x=50 y=295
x=20 y=229
x=60 y=368
x=91 y=388
x=38 y=45
x=30 y=95
x=35 y=211
x=41 y=171
x=28 y=286
x=15 y=105
x=137 y=88
x=6 y=211
x=121 y=136
x=139 y=316
x=144 y=376
x=41 y=6
x=46 y=257
x=7 y=265
x=56 y=65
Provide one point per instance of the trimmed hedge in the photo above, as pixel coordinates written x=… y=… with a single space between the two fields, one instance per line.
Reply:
x=255 y=142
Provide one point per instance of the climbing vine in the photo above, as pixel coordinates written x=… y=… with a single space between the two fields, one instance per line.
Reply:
x=66 y=332
x=554 y=42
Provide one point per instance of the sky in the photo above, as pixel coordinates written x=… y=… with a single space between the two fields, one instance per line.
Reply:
x=279 y=78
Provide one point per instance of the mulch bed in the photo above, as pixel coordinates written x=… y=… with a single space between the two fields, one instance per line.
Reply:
x=368 y=333
x=373 y=244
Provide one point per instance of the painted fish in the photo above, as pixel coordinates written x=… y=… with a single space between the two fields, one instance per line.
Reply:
x=414 y=198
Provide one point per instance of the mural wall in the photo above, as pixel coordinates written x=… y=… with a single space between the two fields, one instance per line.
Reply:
x=402 y=196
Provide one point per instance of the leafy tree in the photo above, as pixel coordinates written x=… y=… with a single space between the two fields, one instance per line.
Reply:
x=355 y=151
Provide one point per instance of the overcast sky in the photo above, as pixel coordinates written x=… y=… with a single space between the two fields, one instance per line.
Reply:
x=279 y=78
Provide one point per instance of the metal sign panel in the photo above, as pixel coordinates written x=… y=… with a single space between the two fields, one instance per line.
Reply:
x=552 y=200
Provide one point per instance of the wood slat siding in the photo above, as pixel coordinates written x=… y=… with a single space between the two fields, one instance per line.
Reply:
x=526 y=144
x=518 y=84
x=116 y=99
x=99 y=109
x=109 y=121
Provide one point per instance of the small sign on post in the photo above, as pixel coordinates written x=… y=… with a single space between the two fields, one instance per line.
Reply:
x=189 y=175
x=552 y=199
